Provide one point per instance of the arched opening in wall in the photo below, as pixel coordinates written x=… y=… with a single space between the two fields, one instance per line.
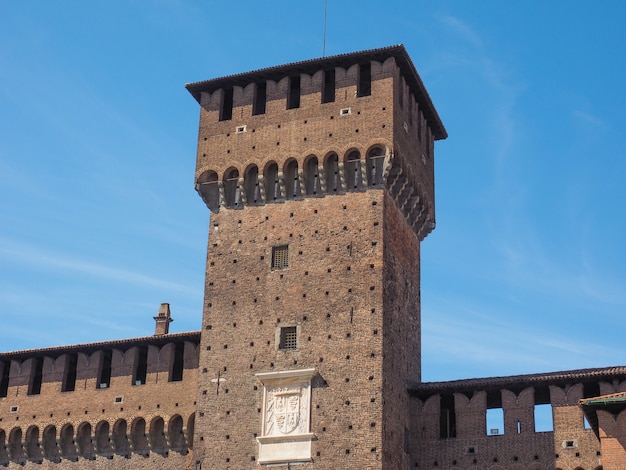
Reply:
x=331 y=173
x=364 y=86
x=293 y=96
x=83 y=440
x=591 y=389
x=495 y=414
x=138 y=437
x=251 y=183
x=328 y=90
x=158 y=443
x=311 y=176
x=36 y=377
x=352 y=167
x=232 y=194
x=69 y=373
x=177 y=365
x=120 y=437
x=104 y=377
x=176 y=434
x=140 y=369
x=272 y=184
x=209 y=189
x=226 y=105
x=544 y=420
x=375 y=162
x=49 y=444
x=66 y=441
x=4 y=378
x=447 y=416
x=103 y=443
x=33 y=451
x=191 y=424
x=16 y=451
x=4 y=455
x=260 y=98
x=292 y=179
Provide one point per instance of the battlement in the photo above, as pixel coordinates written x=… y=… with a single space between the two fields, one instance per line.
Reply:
x=319 y=128
x=99 y=400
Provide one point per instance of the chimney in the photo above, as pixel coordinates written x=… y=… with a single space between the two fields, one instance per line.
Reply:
x=163 y=320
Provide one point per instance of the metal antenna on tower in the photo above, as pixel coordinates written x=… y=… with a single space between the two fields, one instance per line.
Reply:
x=325 y=11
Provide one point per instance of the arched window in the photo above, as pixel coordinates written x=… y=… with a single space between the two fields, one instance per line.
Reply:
x=272 y=184
x=138 y=437
x=49 y=443
x=16 y=451
x=4 y=455
x=311 y=176
x=191 y=424
x=120 y=438
x=66 y=441
x=232 y=196
x=292 y=179
x=176 y=434
x=375 y=161
x=251 y=183
x=209 y=190
x=103 y=443
x=352 y=166
x=158 y=443
x=83 y=439
x=331 y=173
x=33 y=451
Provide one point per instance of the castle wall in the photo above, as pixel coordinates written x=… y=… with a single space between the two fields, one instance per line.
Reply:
x=332 y=284
x=88 y=408
x=469 y=444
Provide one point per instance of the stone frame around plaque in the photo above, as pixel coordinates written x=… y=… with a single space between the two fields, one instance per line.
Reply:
x=286 y=419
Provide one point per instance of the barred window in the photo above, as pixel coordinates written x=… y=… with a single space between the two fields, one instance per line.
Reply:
x=280 y=257
x=288 y=338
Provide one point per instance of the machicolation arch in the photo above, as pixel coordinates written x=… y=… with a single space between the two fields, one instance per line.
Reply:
x=105 y=439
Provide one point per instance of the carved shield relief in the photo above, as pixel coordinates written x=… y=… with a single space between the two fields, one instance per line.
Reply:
x=285 y=410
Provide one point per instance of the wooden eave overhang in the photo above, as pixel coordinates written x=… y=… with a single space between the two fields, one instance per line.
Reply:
x=89 y=348
x=517 y=382
x=309 y=67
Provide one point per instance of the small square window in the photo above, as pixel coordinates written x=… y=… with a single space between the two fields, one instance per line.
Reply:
x=280 y=257
x=288 y=337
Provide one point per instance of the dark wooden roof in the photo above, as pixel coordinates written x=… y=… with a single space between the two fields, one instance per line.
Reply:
x=345 y=61
x=516 y=382
x=89 y=348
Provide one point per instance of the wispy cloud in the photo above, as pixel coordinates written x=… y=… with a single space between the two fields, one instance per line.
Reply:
x=29 y=254
x=484 y=341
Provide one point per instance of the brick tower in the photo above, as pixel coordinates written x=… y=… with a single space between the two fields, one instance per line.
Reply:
x=319 y=178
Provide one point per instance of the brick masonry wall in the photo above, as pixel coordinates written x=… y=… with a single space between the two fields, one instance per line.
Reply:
x=569 y=446
x=173 y=461
x=332 y=290
x=312 y=129
x=401 y=329
x=52 y=411
x=613 y=439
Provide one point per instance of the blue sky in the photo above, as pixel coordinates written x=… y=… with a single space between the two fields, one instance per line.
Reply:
x=99 y=222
